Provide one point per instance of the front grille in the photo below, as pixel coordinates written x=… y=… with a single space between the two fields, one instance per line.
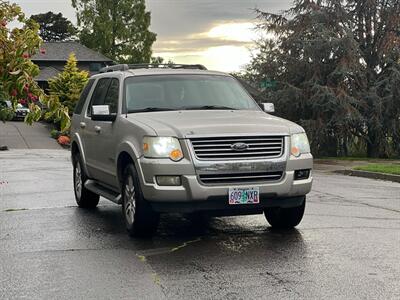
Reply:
x=240 y=177
x=220 y=148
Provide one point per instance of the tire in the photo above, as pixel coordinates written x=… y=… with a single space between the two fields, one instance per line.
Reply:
x=84 y=198
x=140 y=219
x=285 y=218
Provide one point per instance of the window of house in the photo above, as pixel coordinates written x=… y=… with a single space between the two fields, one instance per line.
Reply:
x=95 y=67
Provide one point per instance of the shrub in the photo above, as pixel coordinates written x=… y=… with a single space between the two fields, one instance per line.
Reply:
x=17 y=71
x=68 y=85
x=55 y=133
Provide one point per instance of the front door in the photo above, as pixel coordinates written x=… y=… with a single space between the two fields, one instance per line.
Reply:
x=91 y=136
x=107 y=138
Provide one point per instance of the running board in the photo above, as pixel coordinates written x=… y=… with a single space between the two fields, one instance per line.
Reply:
x=103 y=191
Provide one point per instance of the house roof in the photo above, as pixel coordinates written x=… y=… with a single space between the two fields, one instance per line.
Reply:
x=60 y=51
x=46 y=73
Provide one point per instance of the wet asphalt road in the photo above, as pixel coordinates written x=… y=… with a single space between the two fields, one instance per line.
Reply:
x=347 y=247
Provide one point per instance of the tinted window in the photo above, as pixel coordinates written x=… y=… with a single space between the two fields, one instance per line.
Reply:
x=99 y=93
x=111 y=98
x=186 y=92
x=84 y=95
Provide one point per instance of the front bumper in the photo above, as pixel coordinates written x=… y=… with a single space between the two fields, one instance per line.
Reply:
x=193 y=195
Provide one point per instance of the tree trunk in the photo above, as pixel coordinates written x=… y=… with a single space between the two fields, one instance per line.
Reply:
x=373 y=145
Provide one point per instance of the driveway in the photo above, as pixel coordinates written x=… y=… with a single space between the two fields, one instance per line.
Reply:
x=18 y=135
x=347 y=247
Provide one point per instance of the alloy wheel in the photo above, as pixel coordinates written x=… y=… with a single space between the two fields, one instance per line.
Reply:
x=130 y=200
x=78 y=180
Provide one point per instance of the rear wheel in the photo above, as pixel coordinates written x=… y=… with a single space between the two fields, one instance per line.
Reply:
x=84 y=198
x=285 y=218
x=140 y=219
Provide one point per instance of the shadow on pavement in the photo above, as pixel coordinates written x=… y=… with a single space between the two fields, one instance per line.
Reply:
x=232 y=235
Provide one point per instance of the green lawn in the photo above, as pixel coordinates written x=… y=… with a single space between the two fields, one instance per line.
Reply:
x=381 y=168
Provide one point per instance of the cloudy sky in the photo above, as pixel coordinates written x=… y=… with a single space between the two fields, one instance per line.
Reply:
x=216 y=33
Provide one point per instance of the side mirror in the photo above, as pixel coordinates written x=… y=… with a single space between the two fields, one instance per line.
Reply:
x=269 y=107
x=102 y=113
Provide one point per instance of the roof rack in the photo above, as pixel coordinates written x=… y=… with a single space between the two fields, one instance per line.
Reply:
x=125 y=67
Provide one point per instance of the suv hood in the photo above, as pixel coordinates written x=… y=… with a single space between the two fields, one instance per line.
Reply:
x=189 y=123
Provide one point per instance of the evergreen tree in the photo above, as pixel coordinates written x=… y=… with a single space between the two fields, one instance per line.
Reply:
x=376 y=29
x=54 y=27
x=336 y=73
x=67 y=86
x=117 y=28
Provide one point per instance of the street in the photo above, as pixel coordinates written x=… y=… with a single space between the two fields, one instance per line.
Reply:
x=347 y=246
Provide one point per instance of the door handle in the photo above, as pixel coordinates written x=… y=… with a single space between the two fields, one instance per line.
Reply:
x=97 y=129
x=83 y=125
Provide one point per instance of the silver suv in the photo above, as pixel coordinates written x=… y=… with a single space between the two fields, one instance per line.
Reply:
x=178 y=138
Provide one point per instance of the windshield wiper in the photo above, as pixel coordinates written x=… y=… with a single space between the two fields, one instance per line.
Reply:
x=149 y=109
x=206 y=107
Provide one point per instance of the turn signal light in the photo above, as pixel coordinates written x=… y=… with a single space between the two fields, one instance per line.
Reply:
x=295 y=151
x=176 y=155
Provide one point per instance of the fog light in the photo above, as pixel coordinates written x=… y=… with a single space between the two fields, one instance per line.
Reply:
x=168 y=180
x=301 y=174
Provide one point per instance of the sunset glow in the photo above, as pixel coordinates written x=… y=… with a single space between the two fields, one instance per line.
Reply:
x=229 y=48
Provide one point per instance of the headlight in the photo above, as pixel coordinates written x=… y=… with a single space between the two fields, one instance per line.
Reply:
x=162 y=147
x=299 y=144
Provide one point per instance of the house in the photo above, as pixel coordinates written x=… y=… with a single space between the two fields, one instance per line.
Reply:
x=51 y=61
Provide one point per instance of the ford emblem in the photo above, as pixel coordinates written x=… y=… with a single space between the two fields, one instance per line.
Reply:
x=239 y=147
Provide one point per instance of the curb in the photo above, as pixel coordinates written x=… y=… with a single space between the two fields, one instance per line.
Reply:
x=372 y=175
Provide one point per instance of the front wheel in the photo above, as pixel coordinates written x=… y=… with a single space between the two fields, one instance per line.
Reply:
x=285 y=218
x=140 y=219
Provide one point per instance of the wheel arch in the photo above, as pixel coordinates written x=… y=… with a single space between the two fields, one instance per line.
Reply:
x=126 y=154
x=76 y=148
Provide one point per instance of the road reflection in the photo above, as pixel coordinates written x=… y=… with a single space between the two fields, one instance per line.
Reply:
x=222 y=236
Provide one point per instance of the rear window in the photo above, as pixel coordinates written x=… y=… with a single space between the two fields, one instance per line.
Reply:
x=84 y=95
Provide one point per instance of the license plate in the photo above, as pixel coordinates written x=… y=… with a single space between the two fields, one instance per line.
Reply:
x=244 y=195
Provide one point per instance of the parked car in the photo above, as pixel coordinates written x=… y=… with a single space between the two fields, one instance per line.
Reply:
x=20 y=112
x=179 y=138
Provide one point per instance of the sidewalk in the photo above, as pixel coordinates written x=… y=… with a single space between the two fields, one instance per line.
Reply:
x=18 y=135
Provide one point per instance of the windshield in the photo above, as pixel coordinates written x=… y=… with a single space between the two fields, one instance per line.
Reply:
x=185 y=92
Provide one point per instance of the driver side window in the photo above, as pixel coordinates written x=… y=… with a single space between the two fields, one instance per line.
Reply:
x=111 y=98
x=99 y=94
